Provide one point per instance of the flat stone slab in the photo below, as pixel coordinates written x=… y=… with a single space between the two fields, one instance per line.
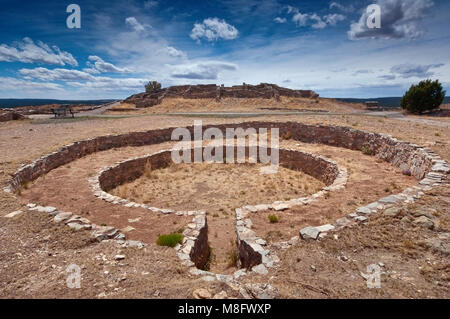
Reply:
x=260 y=269
x=309 y=233
x=14 y=214
x=325 y=228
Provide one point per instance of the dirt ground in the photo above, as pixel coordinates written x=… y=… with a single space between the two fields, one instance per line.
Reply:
x=35 y=252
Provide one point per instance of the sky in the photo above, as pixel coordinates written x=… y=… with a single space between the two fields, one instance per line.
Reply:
x=325 y=46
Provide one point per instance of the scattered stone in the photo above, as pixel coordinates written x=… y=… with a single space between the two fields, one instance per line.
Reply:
x=313 y=268
x=14 y=214
x=391 y=199
x=208 y=278
x=78 y=227
x=239 y=273
x=309 y=233
x=201 y=294
x=325 y=228
x=47 y=209
x=427 y=212
x=119 y=257
x=260 y=291
x=361 y=218
x=280 y=207
x=128 y=229
x=364 y=210
x=62 y=217
x=392 y=212
x=343 y=258
x=260 y=269
x=440 y=244
x=343 y=222
x=424 y=222
x=221 y=295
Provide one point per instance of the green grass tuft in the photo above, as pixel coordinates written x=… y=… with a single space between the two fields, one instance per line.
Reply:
x=274 y=219
x=170 y=240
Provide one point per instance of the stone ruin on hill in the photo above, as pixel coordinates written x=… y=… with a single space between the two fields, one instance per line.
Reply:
x=213 y=91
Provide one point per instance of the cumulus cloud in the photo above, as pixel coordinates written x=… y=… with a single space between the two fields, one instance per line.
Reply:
x=280 y=20
x=98 y=65
x=399 y=19
x=134 y=23
x=363 y=71
x=9 y=83
x=174 y=52
x=202 y=70
x=334 y=18
x=111 y=84
x=80 y=79
x=150 y=4
x=387 y=77
x=339 y=6
x=45 y=74
x=313 y=19
x=213 y=29
x=29 y=52
x=408 y=70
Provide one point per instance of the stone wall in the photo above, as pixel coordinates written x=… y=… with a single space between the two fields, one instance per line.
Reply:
x=10 y=116
x=212 y=91
x=406 y=156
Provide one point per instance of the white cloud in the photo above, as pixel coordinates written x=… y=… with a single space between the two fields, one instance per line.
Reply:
x=175 y=53
x=333 y=18
x=409 y=70
x=80 y=79
x=111 y=84
x=319 y=23
x=280 y=20
x=9 y=83
x=339 y=6
x=45 y=74
x=209 y=70
x=213 y=29
x=150 y=4
x=29 y=52
x=101 y=66
x=399 y=19
x=134 y=23
x=300 y=19
x=313 y=19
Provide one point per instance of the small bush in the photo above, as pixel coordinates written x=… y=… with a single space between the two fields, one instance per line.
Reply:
x=425 y=96
x=286 y=136
x=366 y=150
x=152 y=86
x=274 y=219
x=170 y=240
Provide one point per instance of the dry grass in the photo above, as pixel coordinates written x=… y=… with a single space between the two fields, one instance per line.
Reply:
x=241 y=104
x=217 y=187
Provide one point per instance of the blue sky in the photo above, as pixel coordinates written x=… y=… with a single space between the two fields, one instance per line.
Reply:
x=320 y=45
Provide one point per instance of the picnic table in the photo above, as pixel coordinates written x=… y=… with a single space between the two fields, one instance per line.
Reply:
x=63 y=112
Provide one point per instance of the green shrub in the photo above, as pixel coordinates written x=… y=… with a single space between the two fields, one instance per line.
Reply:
x=170 y=240
x=152 y=86
x=274 y=219
x=425 y=96
x=366 y=150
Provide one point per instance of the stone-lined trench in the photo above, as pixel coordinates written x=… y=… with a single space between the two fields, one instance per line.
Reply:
x=196 y=245
x=412 y=159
